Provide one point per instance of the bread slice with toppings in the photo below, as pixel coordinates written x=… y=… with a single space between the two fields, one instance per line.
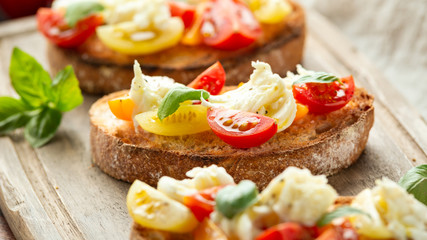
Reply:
x=324 y=144
x=102 y=70
x=294 y=205
x=140 y=233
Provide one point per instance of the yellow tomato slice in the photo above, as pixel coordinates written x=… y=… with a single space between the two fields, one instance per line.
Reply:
x=122 y=108
x=270 y=11
x=207 y=230
x=152 y=209
x=139 y=42
x=188 y=119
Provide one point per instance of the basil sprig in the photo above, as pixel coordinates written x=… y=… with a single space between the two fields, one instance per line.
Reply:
x=318 y=77
x=175 y=96
x=337 y=213
x=79 y=10
x=232 y=200
x=41 y=101
x=415 y=182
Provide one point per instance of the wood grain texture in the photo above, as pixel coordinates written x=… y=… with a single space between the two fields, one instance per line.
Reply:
x=55 y=193
x=5 y=232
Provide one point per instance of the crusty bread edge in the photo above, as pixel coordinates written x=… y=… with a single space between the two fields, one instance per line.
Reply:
x=127 y=162
x=283 y=54
x=141 y=233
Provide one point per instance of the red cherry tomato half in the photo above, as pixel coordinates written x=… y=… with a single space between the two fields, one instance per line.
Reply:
x=211 y=80
x=341 y=231
x=183 y=10
x=229 y=25
x=325 y=97
x=241 y=129
x=202 y=203
x=285 y=231
x=52 y=24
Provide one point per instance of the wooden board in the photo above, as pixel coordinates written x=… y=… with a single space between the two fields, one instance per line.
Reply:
x=55 y=192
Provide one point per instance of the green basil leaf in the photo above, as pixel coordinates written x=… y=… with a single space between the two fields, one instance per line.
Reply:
x=337 y=213
x=41 y=128
x=10 y=106
x=232 y=200
x=79 y=10
x=415 y=182
x=66 y=94
x=175 y=96
x=318 y=77
x=29 y=79
x=14 y=114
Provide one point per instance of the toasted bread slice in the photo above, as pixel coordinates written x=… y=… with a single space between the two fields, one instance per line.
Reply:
x=324 y=144
x=140 y=233
x=102 y=70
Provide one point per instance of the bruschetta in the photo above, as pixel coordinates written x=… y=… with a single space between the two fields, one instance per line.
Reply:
x=295 y=205
x=255 y=130
x=179 y=39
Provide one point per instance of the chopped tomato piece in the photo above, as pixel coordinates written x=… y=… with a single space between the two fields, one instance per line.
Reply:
x=188 y=119
x=202 y=203
x=342 y=231
x=229 y=25
x=241 y=129
x=285 y=231
x=207 y=230
x=302 y=111
x=122 y=108
x=211 y=80
x=51 y=24
x=183 y=10
x=192 y=35
x=325 y=97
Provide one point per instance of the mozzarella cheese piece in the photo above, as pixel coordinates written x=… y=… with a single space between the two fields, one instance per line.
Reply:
x=298 y=196
x=143 y=13
x=201 y=178
x=265 y=93
x=147 y=92
x=393 y=213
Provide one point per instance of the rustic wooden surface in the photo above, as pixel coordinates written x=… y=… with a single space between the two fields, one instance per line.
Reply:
x=54 y=192
x=392 y=33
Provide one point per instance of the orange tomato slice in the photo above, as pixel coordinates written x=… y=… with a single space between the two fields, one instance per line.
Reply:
x=122 y=108
x=302 y=111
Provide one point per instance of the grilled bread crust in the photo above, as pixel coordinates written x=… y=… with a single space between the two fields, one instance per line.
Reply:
x=324 y=144
x=102 y=70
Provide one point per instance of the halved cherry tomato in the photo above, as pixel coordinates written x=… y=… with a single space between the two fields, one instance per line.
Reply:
x=122 y=108
x=285 y=231
x=207 y=230
x=128 y=38
x=51 y=24
x=151 y=208
x=302 y=111
x=183 y=10
x=188 y=119
x=241 y=129
x=211 y=80
x=325 y=97
x=202 y=203
x=341 y=231
x=229 y=25
x=270 y=11
x=192 y=35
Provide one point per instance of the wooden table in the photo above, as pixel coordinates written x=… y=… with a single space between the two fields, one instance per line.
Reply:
x=54 y=192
